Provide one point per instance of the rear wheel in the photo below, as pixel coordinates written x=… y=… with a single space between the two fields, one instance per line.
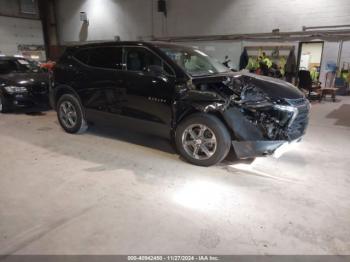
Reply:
x=203 y=140
x=70 y=114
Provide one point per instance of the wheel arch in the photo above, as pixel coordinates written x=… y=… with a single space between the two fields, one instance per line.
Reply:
x=63 y=90
x=194 y=109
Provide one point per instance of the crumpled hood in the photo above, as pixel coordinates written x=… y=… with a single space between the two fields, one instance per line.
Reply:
x=274 y=88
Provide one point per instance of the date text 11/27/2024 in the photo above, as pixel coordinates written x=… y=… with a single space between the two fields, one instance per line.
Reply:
x=173 y=258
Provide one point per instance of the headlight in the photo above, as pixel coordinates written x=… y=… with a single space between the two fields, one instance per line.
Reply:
x=15 y=89
x=291 y=110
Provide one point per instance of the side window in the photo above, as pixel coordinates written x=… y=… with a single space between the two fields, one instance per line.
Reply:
x=141 y=59
x=106 y=57
x=83 y=56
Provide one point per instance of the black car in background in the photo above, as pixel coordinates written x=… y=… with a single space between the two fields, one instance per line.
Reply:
x=180 y=93
x=23 y=85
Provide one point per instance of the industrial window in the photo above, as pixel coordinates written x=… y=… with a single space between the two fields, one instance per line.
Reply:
x=28 y=7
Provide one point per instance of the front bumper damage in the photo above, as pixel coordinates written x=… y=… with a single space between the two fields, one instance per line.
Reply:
x=264 y=115
x=251 y=149
x=252 y=140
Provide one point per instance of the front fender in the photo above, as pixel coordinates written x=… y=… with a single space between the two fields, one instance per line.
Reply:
x=193 y=101
x=204 y=101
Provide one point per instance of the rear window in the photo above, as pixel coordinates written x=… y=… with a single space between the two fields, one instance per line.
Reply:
x=103 y=57
x=106 y=57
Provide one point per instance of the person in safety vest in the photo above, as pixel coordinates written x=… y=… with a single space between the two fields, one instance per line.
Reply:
x=266 y=60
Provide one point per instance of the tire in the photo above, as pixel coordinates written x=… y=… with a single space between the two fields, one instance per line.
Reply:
x=207 y=144
x=3 y=106
x=70 y=114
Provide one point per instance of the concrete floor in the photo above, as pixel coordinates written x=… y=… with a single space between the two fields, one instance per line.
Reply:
x=110 y=192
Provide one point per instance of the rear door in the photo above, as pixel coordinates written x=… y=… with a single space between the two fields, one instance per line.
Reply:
x=101 y=79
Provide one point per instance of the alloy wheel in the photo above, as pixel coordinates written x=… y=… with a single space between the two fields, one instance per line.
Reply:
x=199 y=141
x=68 y=114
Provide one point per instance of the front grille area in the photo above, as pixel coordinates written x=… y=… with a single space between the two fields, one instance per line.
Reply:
x=299 y=125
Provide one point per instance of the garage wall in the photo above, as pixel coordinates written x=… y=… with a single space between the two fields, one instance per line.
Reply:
x=16 y=31
x=18 y=28
x=19 y=8
x=207 y=17
x=129 y=19
x=139 y=19
x=132 y=19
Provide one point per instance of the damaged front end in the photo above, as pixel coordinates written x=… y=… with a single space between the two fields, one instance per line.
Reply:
x=262 y=128
x=262 y=113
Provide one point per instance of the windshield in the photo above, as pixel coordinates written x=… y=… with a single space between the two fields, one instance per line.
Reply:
x=27 y=65
x=20 y=65
x=193 y=61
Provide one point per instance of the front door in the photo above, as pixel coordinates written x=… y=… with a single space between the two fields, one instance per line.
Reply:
x=149 y=85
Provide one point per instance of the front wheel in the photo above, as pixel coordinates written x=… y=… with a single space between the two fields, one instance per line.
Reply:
x=70 y=114
x=203 y=140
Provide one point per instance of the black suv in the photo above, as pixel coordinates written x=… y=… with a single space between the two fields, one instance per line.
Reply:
x=180 y=93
